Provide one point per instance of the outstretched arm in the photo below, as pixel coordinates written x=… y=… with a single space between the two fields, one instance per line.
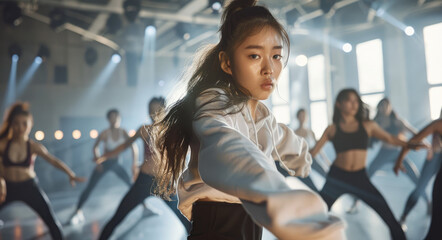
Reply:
x=121 y=147
x=379 y=133
x=41 y=151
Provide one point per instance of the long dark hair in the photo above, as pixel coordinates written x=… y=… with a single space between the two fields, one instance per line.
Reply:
x=240 y=19
x=393 y=116
x=18 y=108
x=361 y=115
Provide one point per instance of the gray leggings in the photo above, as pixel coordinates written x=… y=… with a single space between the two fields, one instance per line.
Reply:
x=428 y=171
x=389 y=155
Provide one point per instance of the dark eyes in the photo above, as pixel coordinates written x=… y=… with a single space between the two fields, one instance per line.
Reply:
x=256 y=56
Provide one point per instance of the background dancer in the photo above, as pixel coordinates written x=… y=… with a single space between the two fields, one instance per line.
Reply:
x=18 y=181
x=111 y=137
x=142 y=187
x=349 y=134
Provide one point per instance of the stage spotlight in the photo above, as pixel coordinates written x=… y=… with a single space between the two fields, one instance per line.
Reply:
x=347 y=47
x=76 y=134
x=150 y=30
x=216 y=5
x=114 y=23
x=301 y=60
x=131 y=9
x=326 y=5
x=57 y=17
x=38 y=60
x=132 y=133
x=14 y=50
x=116 y=58
x=12 y=14
x=58 y=135
x=93 y=133
x=90 y=56
x=43 y=52
x=409 y=31
x=181 y=31
x=39 y=135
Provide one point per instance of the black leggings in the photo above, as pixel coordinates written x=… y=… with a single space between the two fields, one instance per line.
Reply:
x=435 y=232
x=307 y=180
x=32 y=195
x=339 y=182
x=429 y=169
x=98 y=173
x=222 y=221
x=139 y=191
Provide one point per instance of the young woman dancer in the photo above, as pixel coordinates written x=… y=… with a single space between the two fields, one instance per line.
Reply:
x=142 y=187
x=309 y=136
x=231 y=186
x=349 y=134
x=111 y=137
x=18 y=181
x=387 y=119
x=430 y=168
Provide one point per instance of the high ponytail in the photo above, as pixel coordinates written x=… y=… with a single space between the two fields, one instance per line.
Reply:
x=172 y=132
x=19 y=108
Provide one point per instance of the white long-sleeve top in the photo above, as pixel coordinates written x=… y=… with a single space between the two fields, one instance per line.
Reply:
x=235 y=164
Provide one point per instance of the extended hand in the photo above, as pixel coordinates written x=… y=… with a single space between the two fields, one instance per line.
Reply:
x=99 y=160
x=73 y=179
x=397 y=167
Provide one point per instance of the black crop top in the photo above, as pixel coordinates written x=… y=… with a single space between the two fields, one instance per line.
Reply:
x=25 y=163
x=343 y=141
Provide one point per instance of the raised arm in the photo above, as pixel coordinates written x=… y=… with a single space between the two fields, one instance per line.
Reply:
x=376 y=131
x=41 y=151
x=321 y=142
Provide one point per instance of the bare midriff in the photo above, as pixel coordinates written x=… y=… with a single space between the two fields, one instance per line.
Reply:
x=352 y=160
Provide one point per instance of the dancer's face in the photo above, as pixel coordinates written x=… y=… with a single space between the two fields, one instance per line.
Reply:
x=385 y=108
x=350 y=105
x=302 y=117
x=21 y=125
x=154 y=109
x=114 y=119
x=256 y=63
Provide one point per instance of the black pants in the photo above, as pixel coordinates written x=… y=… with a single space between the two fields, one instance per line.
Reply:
x=222 y=221
x=307 y=180
x=32 y=195
x=429 y=169
x=435 y=232
x=339 y=182
x=98 y=173
x=139 y=191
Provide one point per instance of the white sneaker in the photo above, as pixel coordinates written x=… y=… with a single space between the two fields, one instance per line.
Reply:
x=77 y=218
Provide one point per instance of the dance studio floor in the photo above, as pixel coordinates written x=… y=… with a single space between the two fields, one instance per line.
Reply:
x=21 y=223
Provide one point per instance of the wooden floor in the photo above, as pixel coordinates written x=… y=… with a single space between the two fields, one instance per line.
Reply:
x=21 y=223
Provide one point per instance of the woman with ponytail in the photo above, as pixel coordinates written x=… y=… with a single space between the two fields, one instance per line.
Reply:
x=19 y=181
x=231 y=187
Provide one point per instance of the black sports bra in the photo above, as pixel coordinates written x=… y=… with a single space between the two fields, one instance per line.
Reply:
x=343 y=141
x=25 y=163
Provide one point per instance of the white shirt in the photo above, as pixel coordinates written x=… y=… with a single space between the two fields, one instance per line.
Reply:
x=235 y=164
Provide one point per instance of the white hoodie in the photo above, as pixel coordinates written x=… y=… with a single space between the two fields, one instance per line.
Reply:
x=235 y=164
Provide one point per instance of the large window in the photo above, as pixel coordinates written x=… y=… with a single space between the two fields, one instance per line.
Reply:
x=433 y=57
x=371 y=73
x=281 y=98
x=317 y=94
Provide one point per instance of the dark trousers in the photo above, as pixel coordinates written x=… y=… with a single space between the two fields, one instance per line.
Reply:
x=32 y=195
x=429 y=169
x=222 y=221
x=139 y=191
x=435 y=232
x=339 y=182
x=98 y=173
x=307 y=180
